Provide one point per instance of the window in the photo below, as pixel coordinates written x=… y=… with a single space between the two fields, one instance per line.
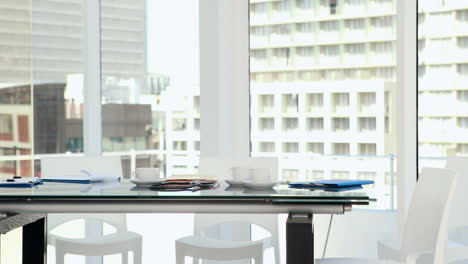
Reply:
x=266 y=124
x=290 y=147
x=327 y=78
x=367 y=124
x=290 y=124
x=179 y=124
x=266 y=103
x=367 y=149
x=462 y=122
x=340 y=124
x=340 y=175
x=290 y=103
x=290 y=174
x=179 y=145
x=304 y=4
x=442 y=101
x=6 y=127
x=314 y=102
x=340 y=148
x=315 y=124
x=315 y=148
x=317 y=175
x=340 y=102
x=41 y=82
x=266 y=146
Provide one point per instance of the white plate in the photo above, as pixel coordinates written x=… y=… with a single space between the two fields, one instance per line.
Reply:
x=233 y=183
x=259 y=185
x=142 y=183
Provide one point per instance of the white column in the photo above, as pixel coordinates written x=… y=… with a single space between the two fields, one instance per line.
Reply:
x=406 y=98
x=224 y=78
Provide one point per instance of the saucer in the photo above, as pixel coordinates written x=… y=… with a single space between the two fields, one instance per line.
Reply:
x=146 y=183
x=259 y=185
x=235 y=183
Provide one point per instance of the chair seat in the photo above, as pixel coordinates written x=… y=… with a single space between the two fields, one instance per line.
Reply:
x=109 y=244
x=390 y=249
x=352 y=261
x=203 y=242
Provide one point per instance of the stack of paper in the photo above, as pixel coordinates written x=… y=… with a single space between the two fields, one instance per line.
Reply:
x=83 y=176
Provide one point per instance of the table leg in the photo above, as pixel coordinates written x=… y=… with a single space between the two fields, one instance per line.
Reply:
x=299 y=239
x=34 y=242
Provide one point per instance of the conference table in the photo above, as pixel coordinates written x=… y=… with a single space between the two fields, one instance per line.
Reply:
x=28 y=208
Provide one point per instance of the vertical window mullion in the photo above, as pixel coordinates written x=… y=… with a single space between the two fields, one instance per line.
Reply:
x=92 y=123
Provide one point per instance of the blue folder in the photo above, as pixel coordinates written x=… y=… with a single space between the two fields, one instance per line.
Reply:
x=330 y=189
x=20 y=183
x=330 y=183
x=67 y=180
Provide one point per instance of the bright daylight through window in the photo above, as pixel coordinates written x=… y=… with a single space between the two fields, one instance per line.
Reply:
x=150 y=101
x=323 y=81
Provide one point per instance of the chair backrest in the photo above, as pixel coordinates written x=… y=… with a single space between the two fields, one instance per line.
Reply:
x=221 y=166
x=60 y=166
x=459 y=210
x=119 y=221
x=426 y=224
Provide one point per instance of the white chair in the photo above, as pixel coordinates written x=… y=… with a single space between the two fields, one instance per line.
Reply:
x=200 y=246
x=426 y=226
x=458 y=218
x=120 y=242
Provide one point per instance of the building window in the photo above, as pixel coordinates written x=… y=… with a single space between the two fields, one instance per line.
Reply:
x=340 y=124
x=367 y=149
x=179 y=124
x=266 y=124
x=290 y=103
x=367 y=124
x=6 y=127
x=340 y=102
x=179 y=145
x=341 y=175
x=290 y=174
x=317 y=175
x=290 y=124
x=290 y=147
x=340 y=149
x=266 y=146
x=266 y=103
x=314 y=102
x=314 y=124
x=462 y=122
x=315 y=148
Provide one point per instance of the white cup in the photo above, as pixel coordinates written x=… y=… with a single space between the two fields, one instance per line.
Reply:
x=260 y=175
x=146 y=174
x=238 y=173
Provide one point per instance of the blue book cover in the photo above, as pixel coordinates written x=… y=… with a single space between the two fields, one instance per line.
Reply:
x=331 y=183
x=330 y=189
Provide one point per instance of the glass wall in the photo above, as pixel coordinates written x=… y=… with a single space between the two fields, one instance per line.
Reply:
x=41 y=82
x=322 y=89
x=150 y=84
x=442 y=81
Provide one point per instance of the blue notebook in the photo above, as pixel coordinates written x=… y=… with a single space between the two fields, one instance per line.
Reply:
x=20 y=183
x=330 y=183
x=330 y=189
